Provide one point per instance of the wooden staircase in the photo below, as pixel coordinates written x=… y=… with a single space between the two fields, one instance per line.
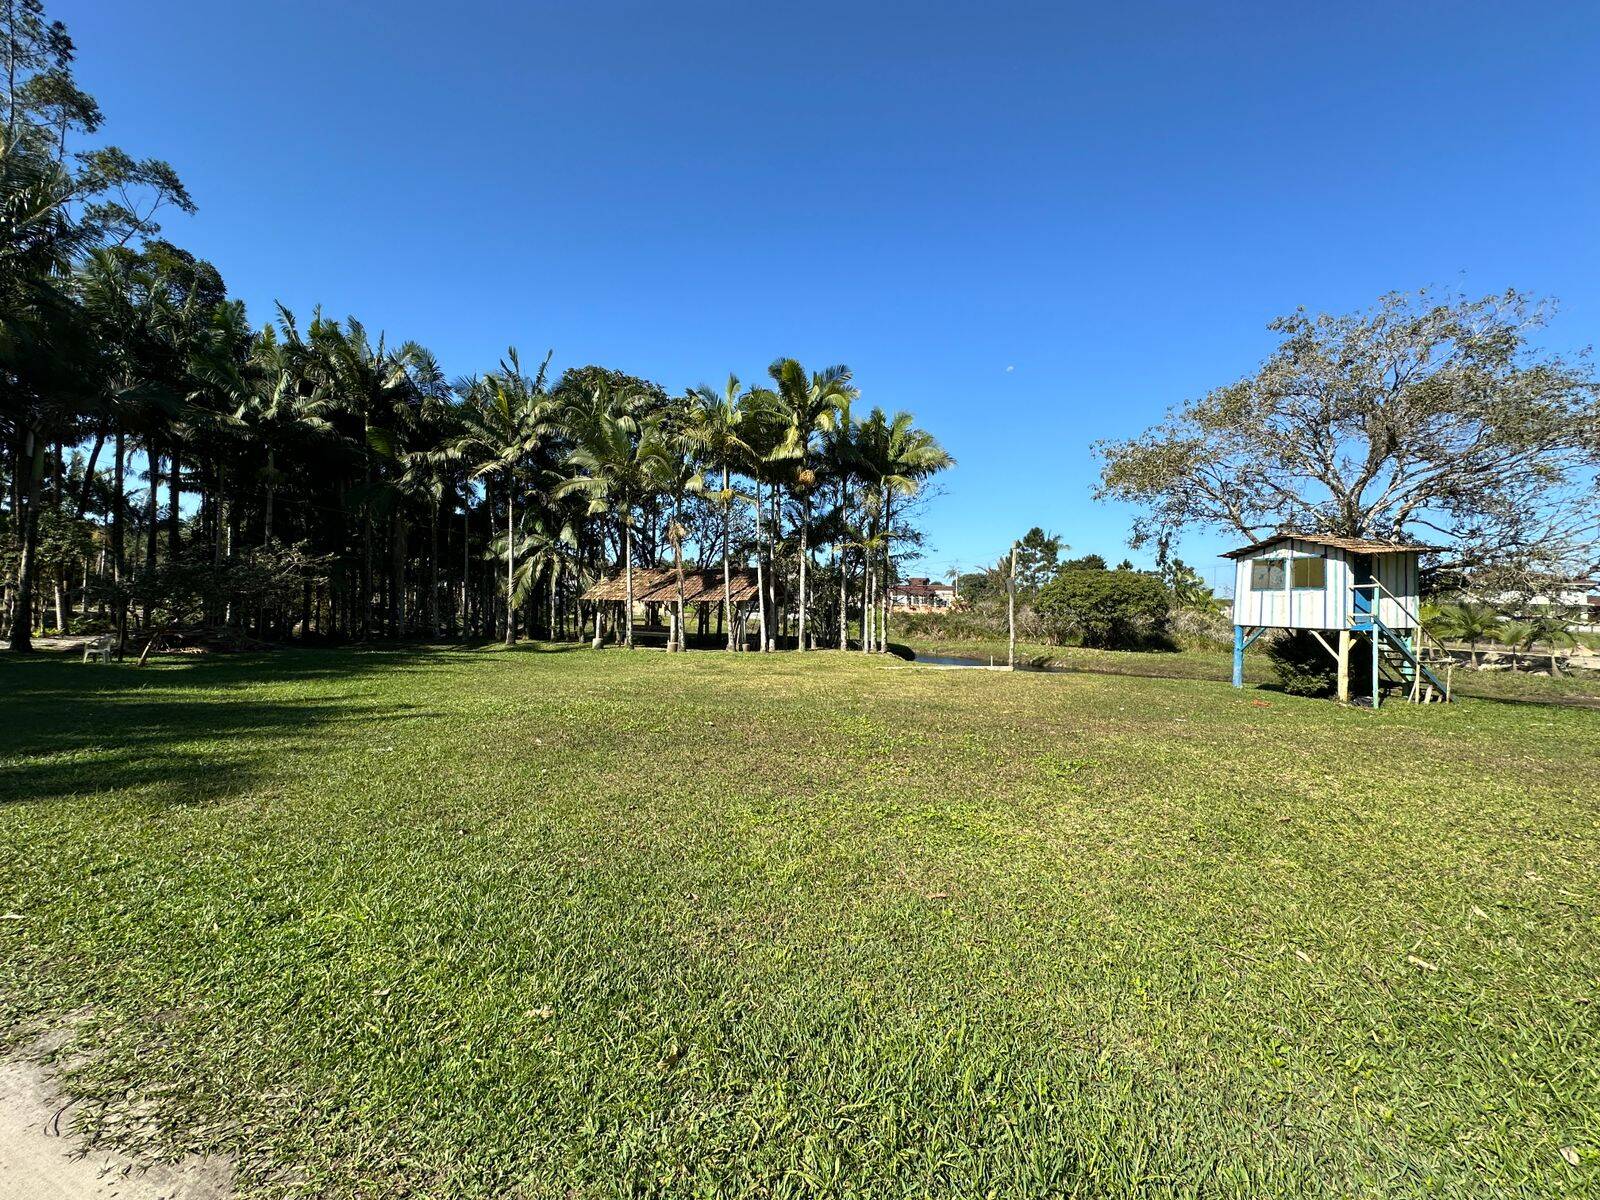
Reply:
x=1422 y=669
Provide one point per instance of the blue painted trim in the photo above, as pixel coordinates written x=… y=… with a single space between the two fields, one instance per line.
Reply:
x=1238 y=655
x=1375 y=680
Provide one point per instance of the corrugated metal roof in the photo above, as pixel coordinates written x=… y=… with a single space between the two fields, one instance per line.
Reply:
x=1353 y=545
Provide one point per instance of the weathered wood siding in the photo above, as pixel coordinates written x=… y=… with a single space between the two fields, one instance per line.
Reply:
x=1399 y=575
x=1329 y=607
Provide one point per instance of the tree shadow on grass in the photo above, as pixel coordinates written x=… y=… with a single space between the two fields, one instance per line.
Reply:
x=177 y=733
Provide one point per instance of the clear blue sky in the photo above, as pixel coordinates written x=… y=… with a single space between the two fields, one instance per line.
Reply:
x=1034 y=226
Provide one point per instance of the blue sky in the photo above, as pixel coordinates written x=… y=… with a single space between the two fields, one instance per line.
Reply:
x=1032 y=225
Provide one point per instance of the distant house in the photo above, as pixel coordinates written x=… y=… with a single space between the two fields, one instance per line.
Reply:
x=1576 y=599
x=920 y=593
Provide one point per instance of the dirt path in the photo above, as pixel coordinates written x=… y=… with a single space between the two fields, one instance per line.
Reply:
x=40 y=1160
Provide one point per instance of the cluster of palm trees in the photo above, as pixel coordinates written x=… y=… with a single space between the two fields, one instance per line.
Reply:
x=1476 y=622
x=167 y=466
x=318 y=482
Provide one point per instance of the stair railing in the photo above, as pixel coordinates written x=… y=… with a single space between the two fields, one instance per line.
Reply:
x=1425 y=640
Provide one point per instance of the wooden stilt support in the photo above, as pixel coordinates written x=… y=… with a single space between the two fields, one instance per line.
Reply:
x=1344 y=666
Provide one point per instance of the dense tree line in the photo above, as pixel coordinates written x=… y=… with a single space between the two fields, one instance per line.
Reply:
x=170 y=467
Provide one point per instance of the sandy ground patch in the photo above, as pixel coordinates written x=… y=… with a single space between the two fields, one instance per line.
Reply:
x=41 y=1160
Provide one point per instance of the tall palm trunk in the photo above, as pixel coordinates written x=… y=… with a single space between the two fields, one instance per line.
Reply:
x=172 y=505
x=30 y=469
x=727 y=573
x=627 y=569
x=805 y=555
x=433 y=572
x=398 y=540
x=867 y=606
x=119 y=568
x=511 y=563
x=154 y=463
x=844 y=569
x=761 y=583
x=888 y=565
x=266 y=516
x=678 y=632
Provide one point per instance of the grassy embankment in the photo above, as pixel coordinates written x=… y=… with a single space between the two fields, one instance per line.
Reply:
x=464 y=923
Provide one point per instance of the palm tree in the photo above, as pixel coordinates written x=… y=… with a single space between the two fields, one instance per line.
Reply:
x=1471 y=621
x=713 y=428
x=898 y=457
x=841 y=458
x=674 y=473
x=808 y=406
x=762 y=437
x=544 y=551
x=618 y=463
x=1554 y=629
x=506 y=417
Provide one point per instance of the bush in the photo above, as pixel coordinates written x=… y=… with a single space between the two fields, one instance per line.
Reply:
x=1201 y=628
x=1108 y=610
x=947 y=626
x=1305 y=668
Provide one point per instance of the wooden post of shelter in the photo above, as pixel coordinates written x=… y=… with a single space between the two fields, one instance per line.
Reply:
x=1344 y=666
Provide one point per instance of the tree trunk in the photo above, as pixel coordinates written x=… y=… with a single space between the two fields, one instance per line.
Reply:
x=266 y=507
x=154 y=465
x=511 y=563
x=119 y=568
x=30 y=468
x=805 y=555
x=88 y=470
x=844 y=570
x=888 y=565
x=173 y=494
x=761 y=584
x=628 y=576
x=627 y=568
x=727 y=574
x=433 y=571
x=868 y=604
x=402 y=615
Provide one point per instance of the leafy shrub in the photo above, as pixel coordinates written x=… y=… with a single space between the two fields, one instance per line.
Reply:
x=1305 y=668
x=1109 y=610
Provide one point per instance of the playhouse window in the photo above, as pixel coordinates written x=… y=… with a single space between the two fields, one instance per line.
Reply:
x=1266 y=575
x=1310 y=573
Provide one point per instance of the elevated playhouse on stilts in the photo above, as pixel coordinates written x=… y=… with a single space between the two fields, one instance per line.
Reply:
x=1355 y=596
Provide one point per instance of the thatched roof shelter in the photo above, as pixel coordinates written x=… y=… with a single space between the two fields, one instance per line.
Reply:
x=657 y=585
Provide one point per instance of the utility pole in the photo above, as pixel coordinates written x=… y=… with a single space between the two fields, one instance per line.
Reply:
x=1011 y=610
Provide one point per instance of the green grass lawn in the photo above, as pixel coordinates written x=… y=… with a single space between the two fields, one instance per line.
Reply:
x=470 y=923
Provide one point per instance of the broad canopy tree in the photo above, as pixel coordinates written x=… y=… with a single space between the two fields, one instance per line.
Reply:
x=1431 y=420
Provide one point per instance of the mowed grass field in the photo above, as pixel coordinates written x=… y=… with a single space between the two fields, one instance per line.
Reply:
x=559 y=923
x=1579 y=686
